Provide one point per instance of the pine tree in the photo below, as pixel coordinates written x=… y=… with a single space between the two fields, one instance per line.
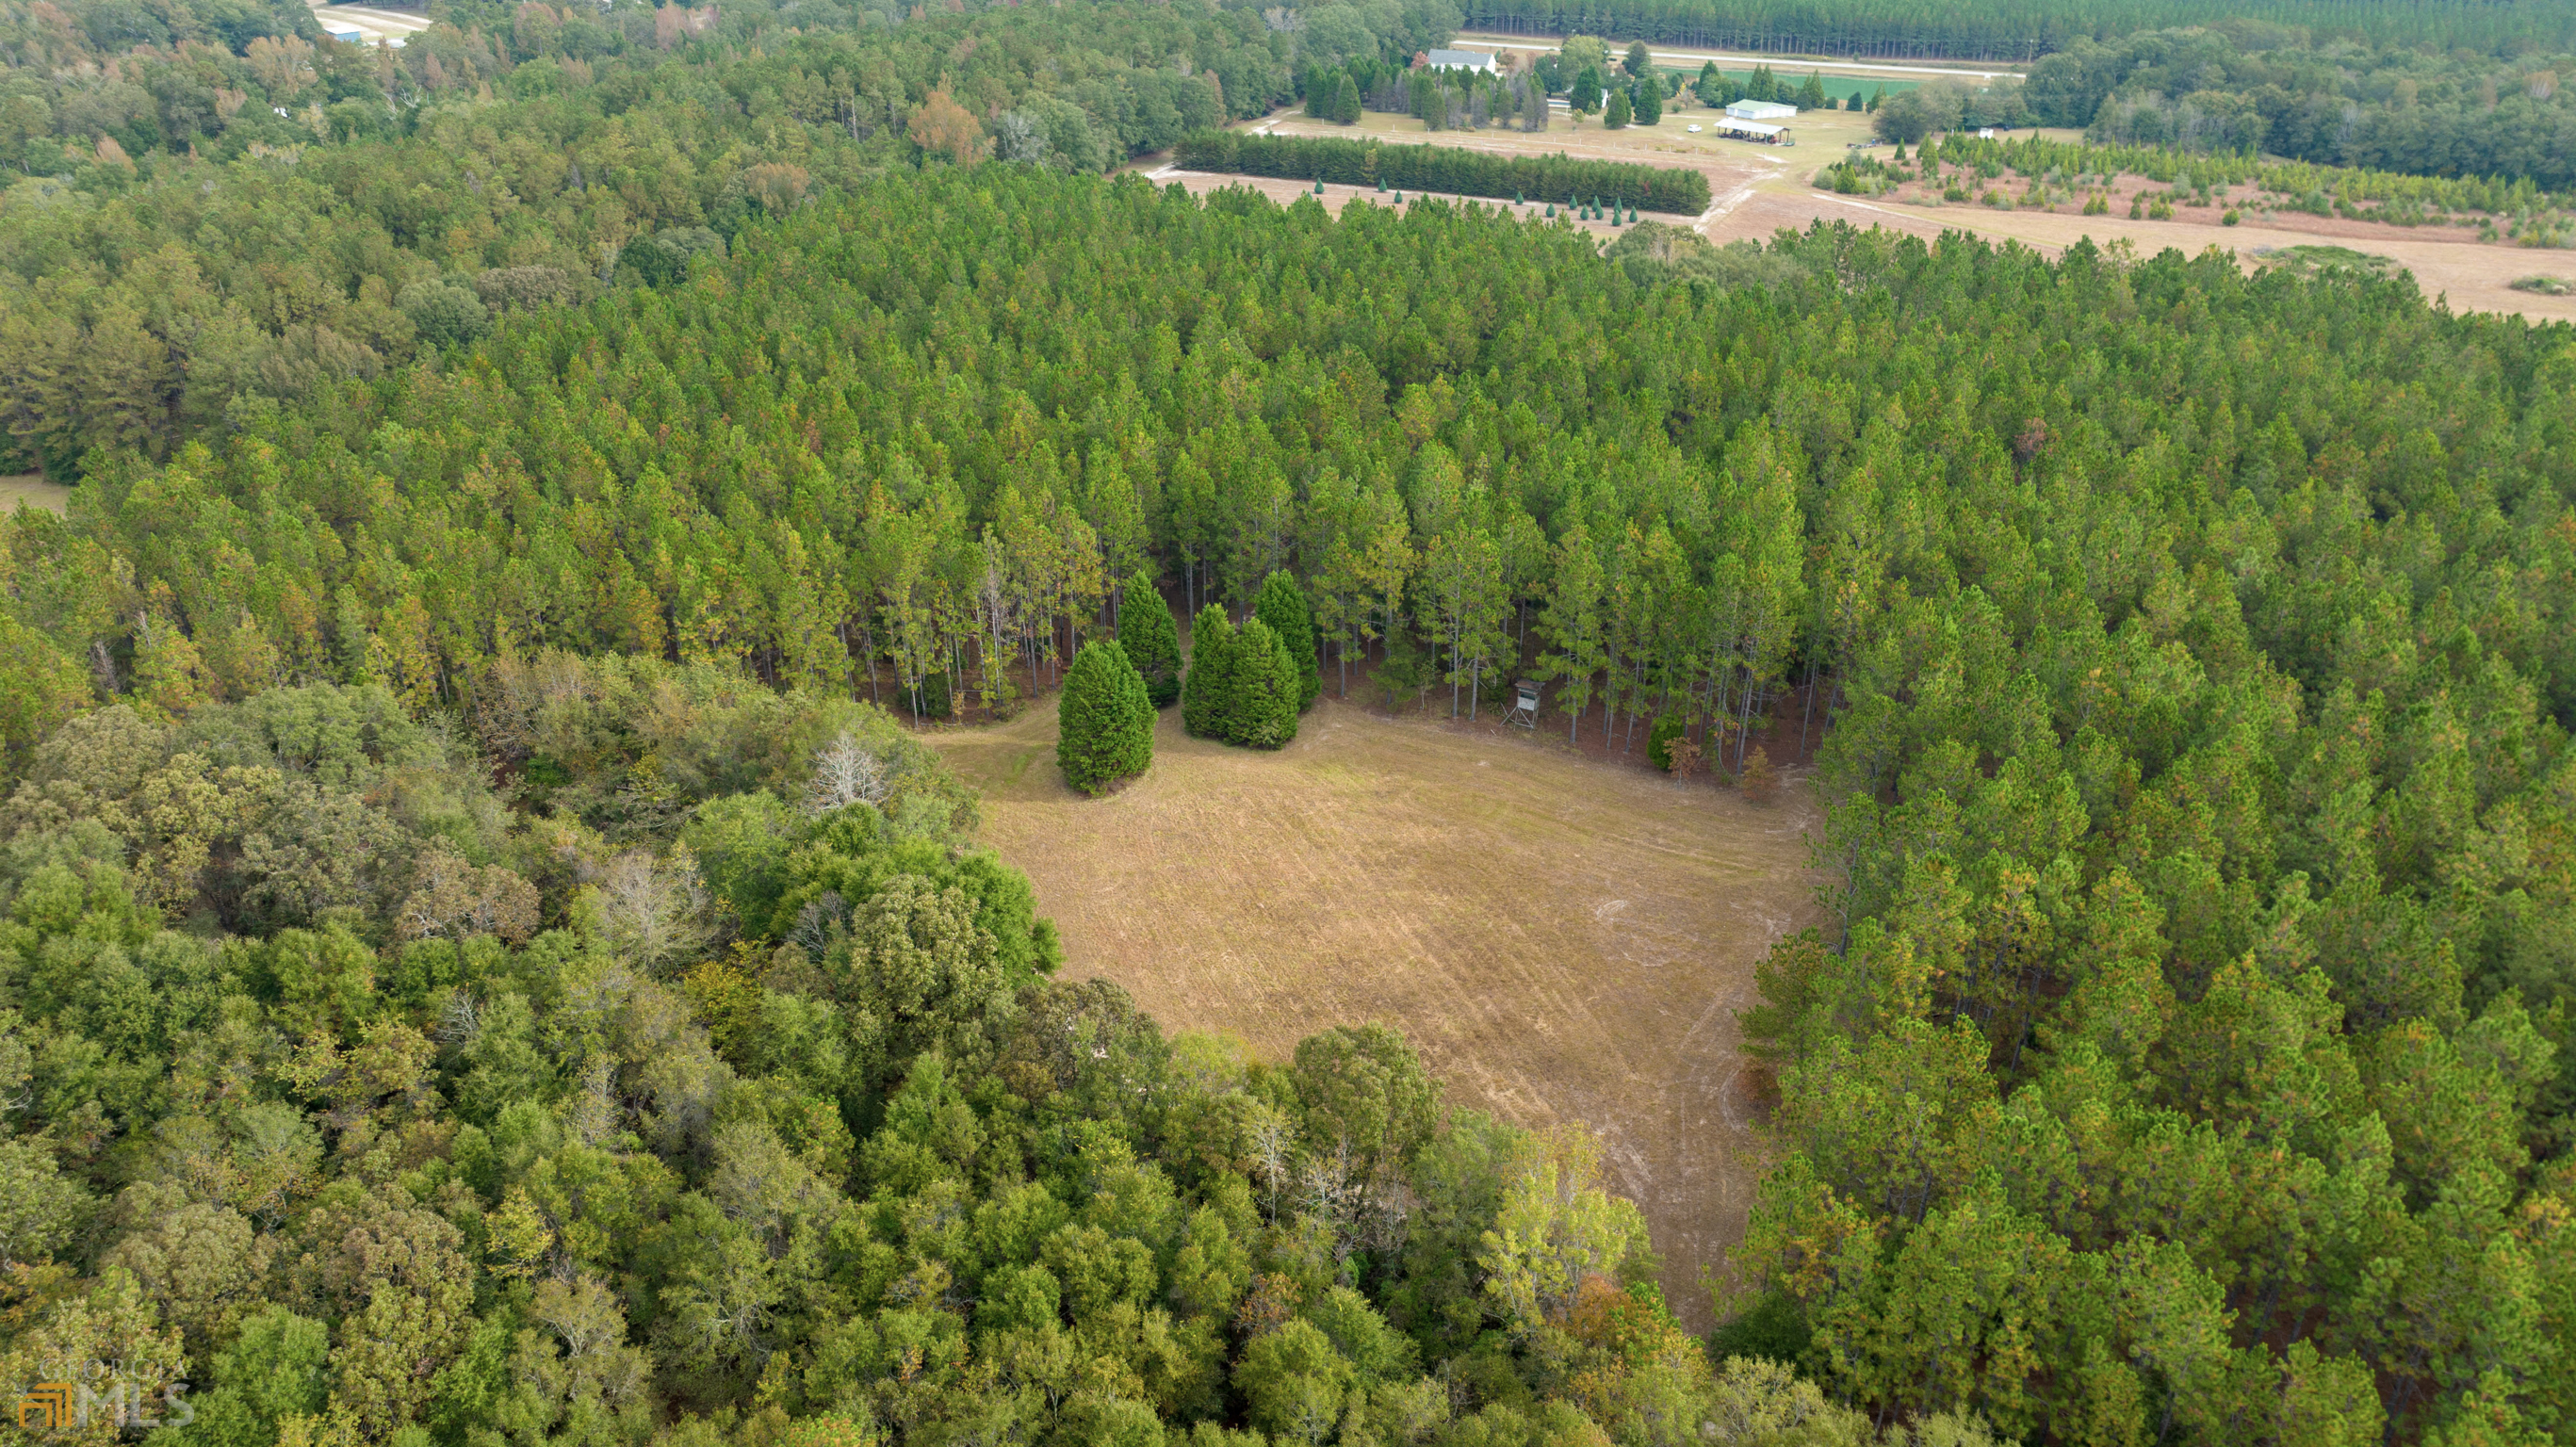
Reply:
x=1572 y=627
x=1262 y=711
x=1639 y=60
x=1650 y=101
x=1282 y=605
x=1152 y=640
x=1617 y=116
x=1346 y=100
x=1811 y=96
x=1104 y=722
x=1207 y=690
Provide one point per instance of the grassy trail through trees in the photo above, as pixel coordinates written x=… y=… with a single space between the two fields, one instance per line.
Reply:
x=1561 y=938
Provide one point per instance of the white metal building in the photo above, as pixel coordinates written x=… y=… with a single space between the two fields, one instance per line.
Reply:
x=1760 y=110
x=1460 y=60
x=1743 y=130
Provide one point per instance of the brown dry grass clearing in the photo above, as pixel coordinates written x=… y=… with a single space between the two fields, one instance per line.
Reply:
x=1761 y=189
x=1562 y=938
x=32 y=489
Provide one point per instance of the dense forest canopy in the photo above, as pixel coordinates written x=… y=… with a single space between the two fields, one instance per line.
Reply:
x=214 y=207
x=483 y=960
x=708 y=1086
x=1449 y=169
x=2437 y=112
x=2323 y=190
x=2021 y=30
x=180 y=249
x=2181 y=1063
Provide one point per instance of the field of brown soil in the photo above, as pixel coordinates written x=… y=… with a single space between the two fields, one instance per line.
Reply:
x=1564 y=938
x=32 y=489
x=1761 y=189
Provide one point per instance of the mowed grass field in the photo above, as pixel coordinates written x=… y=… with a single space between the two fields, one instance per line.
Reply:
x=32 y=489
x=1563 y=939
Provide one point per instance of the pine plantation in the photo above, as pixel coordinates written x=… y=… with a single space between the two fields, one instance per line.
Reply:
x=1447 y=169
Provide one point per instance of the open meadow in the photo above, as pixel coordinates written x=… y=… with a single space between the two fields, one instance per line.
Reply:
x=32 y=489
x=1563 y=938
x=1760 y=189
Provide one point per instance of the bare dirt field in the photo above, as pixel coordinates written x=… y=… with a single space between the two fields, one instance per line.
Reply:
x=1761 y=189
x=32 y=489
x=1563 y=937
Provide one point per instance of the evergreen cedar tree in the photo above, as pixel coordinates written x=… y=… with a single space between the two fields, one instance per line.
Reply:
x=1152 y=641
x=1649 y=100
x=1267 y=693
x=1208 y=688
x=1242 y=687
x=1619 y=112
x=2109 y=843
x=1587 y=88
x=1104 y=720
x=1282 y=605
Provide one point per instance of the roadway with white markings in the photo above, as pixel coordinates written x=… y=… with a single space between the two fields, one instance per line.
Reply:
x=1695 y=57
x=372 y=26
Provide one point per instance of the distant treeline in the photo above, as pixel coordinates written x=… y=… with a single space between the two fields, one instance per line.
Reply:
x=2325 y=187
x=1446 y=168
x=2446 y=112
x=2020 y=29
x=165 y=263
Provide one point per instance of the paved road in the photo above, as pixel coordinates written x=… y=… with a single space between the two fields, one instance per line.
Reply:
x=372 y=25
x=1694 y=57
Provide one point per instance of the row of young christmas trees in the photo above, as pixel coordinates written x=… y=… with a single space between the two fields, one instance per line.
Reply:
x=1244 y=685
